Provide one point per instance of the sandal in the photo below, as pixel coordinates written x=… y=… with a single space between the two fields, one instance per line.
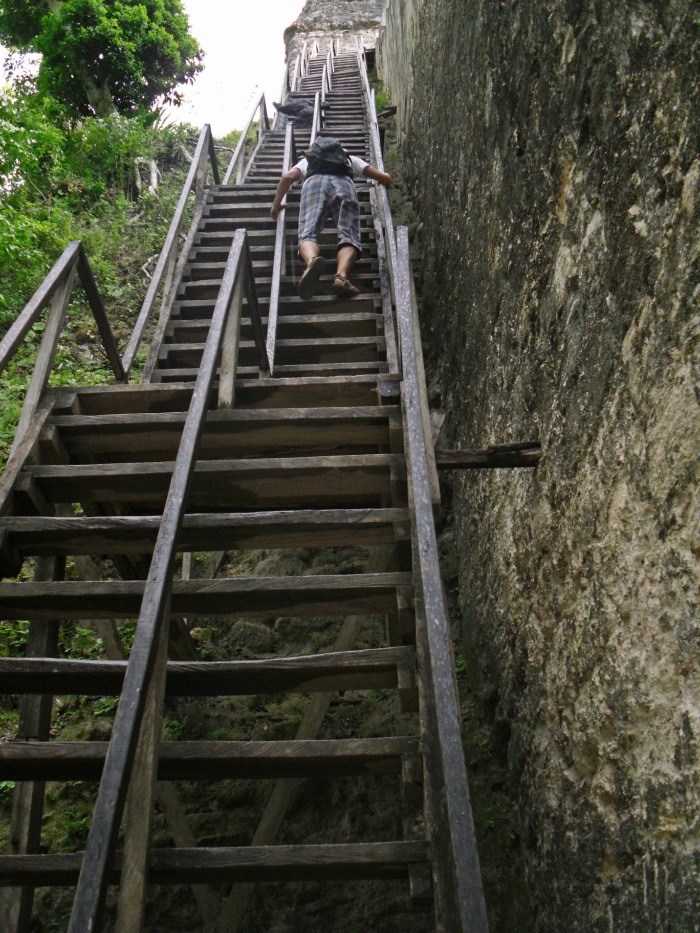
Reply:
x=309 y=280
x=344 y=287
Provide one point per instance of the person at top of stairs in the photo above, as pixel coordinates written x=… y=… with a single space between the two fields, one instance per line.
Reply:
x=328 y=192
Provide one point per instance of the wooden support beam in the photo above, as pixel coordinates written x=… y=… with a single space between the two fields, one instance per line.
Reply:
x=311 y=595
x=498 y=456
x=34 y=725
x=88 y=906
x=350 y=862
x=371 y=669
x=131 y=906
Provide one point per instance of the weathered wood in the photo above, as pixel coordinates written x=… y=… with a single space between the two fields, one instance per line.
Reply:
x=87 y=280
x=496 y=457
x=34 y=726
x=353 y=861
x=392 y=354
x=455 y=857
x=359 y=479
x=30 y=314
x=46 y=354
x=339 y=669
x=171 y=243
x=140 y=807
x=196 y=761
x=208 y=901
x=229 y=347
x=18 y=458
x=92 y=886
x=278 y=261
x=329 y=594
x=168 y=299
x=284 y=792
x=236 y=163
x=31 y=536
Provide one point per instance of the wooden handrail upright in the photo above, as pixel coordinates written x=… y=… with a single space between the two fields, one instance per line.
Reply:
x=278 y=265
x=459 y=894
x=166 y=261
x=153 y=624
x=316 y=126
x=237 y=162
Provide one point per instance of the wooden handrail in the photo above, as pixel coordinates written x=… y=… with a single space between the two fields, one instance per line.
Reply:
x=278 y=264
x=237 y=162
x=153 y=623
x=56 y=288
x=459 y=893
x=166 y=261
x=378 y=162
x=316 y=126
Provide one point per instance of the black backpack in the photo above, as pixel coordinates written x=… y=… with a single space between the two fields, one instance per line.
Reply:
x=327 y=157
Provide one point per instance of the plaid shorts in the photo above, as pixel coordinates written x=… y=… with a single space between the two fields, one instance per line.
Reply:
x=330 y=197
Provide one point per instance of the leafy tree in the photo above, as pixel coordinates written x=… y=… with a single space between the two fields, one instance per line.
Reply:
x=105 y=56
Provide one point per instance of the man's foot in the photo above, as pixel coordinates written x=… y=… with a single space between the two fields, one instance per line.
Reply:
x=344 y=287
x=309 y=280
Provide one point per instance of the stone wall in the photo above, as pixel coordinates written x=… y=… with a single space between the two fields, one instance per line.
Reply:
x=551 y=151
x=343 y=19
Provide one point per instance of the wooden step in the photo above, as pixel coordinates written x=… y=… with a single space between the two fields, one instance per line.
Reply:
x=300 y=597
x=227 y=433
x=271 y=483
x=33 y=536
x=212 y=761
x=371 y=669
x=349 y=862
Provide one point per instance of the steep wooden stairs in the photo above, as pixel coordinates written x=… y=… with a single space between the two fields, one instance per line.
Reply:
x=261 y=421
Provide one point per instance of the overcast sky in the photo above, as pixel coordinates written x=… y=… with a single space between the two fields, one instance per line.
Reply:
x=244 y=55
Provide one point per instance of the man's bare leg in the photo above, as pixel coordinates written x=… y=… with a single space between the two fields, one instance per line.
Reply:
x=346 y=260
x=315 y=267
x=308 y=250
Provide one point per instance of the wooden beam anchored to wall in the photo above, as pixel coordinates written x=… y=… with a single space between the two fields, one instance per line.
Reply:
x=497 y=456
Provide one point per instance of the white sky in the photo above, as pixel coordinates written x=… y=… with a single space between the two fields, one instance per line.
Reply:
x=244 y=56
x=244 y=46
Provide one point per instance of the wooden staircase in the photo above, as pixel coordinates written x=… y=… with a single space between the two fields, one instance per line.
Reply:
x=239 y=436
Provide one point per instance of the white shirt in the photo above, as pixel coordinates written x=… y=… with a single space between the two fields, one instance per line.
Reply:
x=358 y=167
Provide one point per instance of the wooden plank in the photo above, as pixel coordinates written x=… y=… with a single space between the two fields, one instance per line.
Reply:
x=353 y=861
x=371 y=669
x=329 y=594
x=34 y=726
x=171 y=243
x=18 y=458
x=140 y=806
x=456 y=860
x=88 y=906
x=229 y=348
x=46 y=354
x=87 y=280
x=392 y=355
x=31 y=536
x=495 y=457
x=256 y=482
x=278 y=261
x=199 y=761
x=168 y=299
x=37 y=303
x=284 y=792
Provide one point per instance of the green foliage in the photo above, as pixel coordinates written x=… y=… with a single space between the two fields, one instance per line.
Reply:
x=101 y=55
x=61 y=181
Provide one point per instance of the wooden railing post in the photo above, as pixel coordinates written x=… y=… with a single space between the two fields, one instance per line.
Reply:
x=317 y=118
x=202 y=153
x=278 y=264
x=88 y=906
x=460 y=901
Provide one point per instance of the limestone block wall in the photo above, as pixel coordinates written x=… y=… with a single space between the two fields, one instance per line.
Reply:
x=341 y=19
x=551 y=150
